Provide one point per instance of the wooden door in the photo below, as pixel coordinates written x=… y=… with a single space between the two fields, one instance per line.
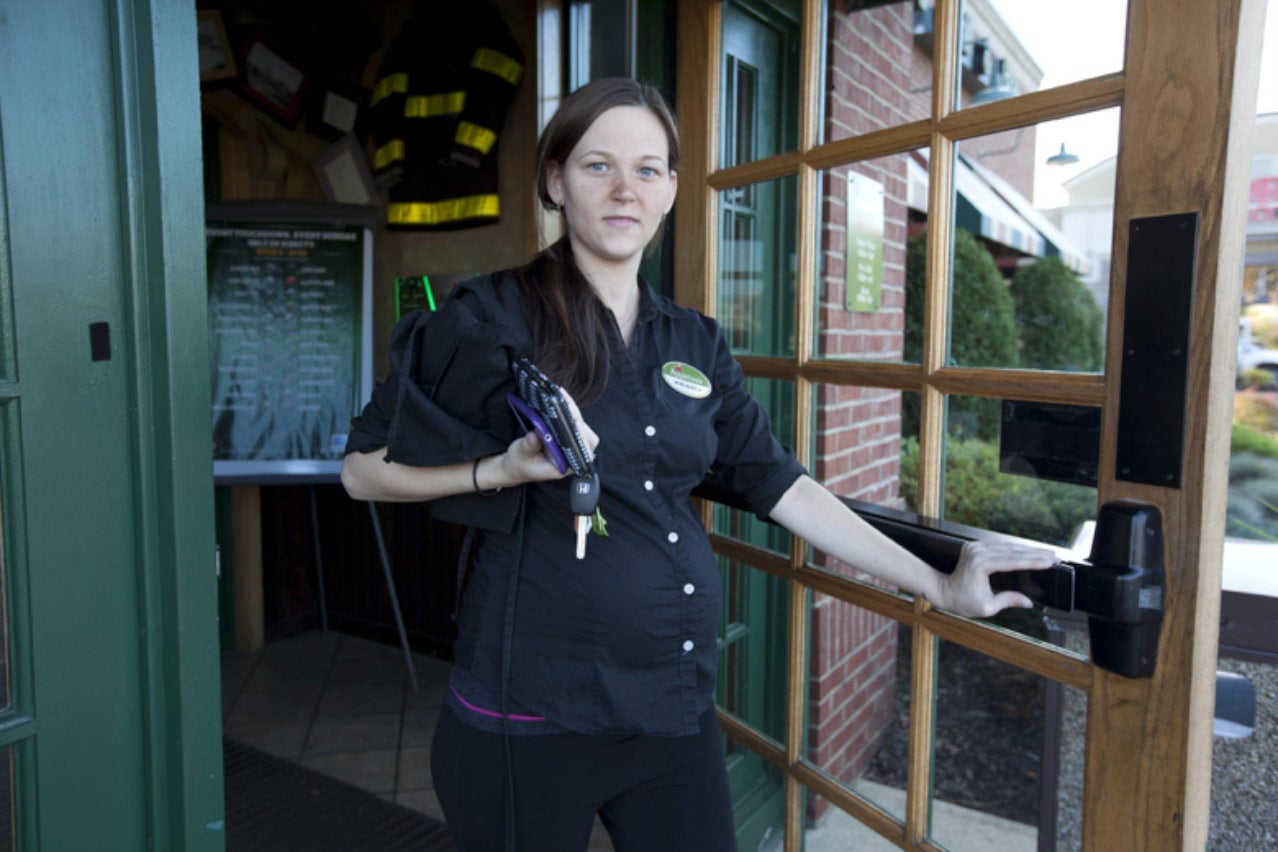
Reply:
x=1185 y=85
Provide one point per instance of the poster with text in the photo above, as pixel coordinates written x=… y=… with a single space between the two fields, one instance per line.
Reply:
x=284 y=311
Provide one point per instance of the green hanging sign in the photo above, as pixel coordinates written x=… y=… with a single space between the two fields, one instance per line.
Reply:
x=864 y=284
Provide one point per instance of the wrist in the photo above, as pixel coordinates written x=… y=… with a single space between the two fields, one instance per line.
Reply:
x=484 y=478
x=935 y=592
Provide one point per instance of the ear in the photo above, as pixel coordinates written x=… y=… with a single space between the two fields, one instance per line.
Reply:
x=674 y=190
x=555 y=182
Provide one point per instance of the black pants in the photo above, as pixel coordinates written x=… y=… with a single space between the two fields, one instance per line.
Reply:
x=653 y=794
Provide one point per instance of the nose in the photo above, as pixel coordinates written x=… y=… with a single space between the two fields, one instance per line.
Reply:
x=622 y=187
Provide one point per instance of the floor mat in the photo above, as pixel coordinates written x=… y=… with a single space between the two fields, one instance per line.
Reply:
x=273 y=805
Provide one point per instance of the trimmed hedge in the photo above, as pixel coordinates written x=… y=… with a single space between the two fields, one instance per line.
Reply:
x=979 y=495
x=1060 y=323
x=982 y=332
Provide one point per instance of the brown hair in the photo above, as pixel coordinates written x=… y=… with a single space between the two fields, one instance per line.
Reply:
x=568 y=320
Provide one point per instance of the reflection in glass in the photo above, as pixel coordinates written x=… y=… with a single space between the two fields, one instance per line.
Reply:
x=865 y=447
x=1004 y=752
x=777 y=398
x=878 y=66
x=1030 y=285
x=753 y=638
x=1013 y=47
x=857 y=712
x=757 y=267
x=760 y=84
x=869 y=212
x=979 y=495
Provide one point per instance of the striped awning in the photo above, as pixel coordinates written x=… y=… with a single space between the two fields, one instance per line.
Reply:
x=989 y=207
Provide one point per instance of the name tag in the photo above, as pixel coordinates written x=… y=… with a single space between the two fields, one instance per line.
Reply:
x=686 y=379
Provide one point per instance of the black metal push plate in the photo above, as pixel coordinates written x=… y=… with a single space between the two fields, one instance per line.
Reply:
x=1048 y=441
x=1160 y=288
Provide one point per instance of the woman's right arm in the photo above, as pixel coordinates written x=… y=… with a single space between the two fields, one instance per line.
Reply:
x=368 y=476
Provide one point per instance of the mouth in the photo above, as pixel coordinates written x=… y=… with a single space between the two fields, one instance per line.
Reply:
x=621 y=221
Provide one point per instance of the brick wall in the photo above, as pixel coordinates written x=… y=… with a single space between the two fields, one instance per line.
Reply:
x=871 y=60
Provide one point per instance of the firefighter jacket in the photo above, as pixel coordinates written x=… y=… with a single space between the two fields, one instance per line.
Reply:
x=435 y=114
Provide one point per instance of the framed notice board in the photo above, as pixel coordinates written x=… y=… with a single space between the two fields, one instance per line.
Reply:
x=290 y=314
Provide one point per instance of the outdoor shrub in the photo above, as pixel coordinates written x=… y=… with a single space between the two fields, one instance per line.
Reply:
x=1256 y=410
x=1244 y=439
x=1245 y=466
x=1264 y=324
x=978 y=495
x=1060 y=323
x=1251 y=508
x=982 y=332
x=1256 y=377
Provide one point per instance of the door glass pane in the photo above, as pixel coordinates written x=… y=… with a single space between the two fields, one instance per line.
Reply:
x=858 y=709
x=865 y=446
x=1032 y=245
x=777 y=398
x=1007 y=753
x=760 y=82
x=1012 y=47
x=5 y=674
x=878 y=73
x=753 y=643
x=8 y=840
x=979 y=494
x=757 y=267
x=872 y=256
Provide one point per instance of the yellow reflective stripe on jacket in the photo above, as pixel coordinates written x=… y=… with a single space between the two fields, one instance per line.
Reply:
x=487 y=59
x=474 y=136
x=442 y=212
x=429 y=106
x=391 y=152
x=391 y=84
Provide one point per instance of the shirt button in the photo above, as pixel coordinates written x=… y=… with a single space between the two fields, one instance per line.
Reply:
x=688 y=588
x=647 y=485
x=650 y=431
x=688 y=646
x=673 y=537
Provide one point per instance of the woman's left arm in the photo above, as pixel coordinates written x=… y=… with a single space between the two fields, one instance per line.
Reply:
x=811 y=512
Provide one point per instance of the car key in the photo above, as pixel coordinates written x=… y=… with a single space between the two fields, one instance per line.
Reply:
x=583 y=499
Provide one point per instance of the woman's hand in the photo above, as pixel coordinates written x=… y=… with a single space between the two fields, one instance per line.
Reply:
x=967 y=590
x=526 y=460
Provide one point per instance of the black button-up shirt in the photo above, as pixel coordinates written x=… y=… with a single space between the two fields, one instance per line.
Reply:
x=624 y=640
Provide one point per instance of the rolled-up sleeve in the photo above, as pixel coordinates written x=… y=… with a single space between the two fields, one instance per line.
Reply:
x=444 y=402
x=750 y=460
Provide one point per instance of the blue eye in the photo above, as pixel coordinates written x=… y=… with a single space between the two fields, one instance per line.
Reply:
x=648 y=171
x=598 y=168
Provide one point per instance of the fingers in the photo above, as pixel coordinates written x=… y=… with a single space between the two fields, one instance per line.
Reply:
x=1003 y=600
x=587 y=434
x=526 y=460
x=991 y=556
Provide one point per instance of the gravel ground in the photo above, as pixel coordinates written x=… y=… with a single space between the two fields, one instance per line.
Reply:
x=1244 y=772
x=1003 y=780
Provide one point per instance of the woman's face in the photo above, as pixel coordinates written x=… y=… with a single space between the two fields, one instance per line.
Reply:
x=614 y=187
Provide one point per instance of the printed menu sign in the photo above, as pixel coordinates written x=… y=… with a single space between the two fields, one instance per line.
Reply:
x=285 y=335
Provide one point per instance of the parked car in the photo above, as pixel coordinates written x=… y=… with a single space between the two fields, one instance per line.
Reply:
x=1253 y=356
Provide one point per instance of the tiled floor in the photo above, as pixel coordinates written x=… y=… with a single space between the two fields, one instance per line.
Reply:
x=344 y=707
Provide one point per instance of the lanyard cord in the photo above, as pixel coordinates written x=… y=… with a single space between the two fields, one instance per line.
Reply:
x=507 y=643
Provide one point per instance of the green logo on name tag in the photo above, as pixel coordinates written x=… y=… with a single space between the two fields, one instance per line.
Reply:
x=686 y=379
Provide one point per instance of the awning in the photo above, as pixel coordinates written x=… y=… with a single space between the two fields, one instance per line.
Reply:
x=990 y=207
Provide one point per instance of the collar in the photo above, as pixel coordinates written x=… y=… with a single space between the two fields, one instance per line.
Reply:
x=650 y=304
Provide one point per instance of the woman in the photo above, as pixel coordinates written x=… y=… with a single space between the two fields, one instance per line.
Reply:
x=586 y=686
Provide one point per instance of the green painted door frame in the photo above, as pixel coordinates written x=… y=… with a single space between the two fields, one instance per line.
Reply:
x=114 y=717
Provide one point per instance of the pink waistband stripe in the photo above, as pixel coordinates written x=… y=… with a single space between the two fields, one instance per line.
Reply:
x=514 y=717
